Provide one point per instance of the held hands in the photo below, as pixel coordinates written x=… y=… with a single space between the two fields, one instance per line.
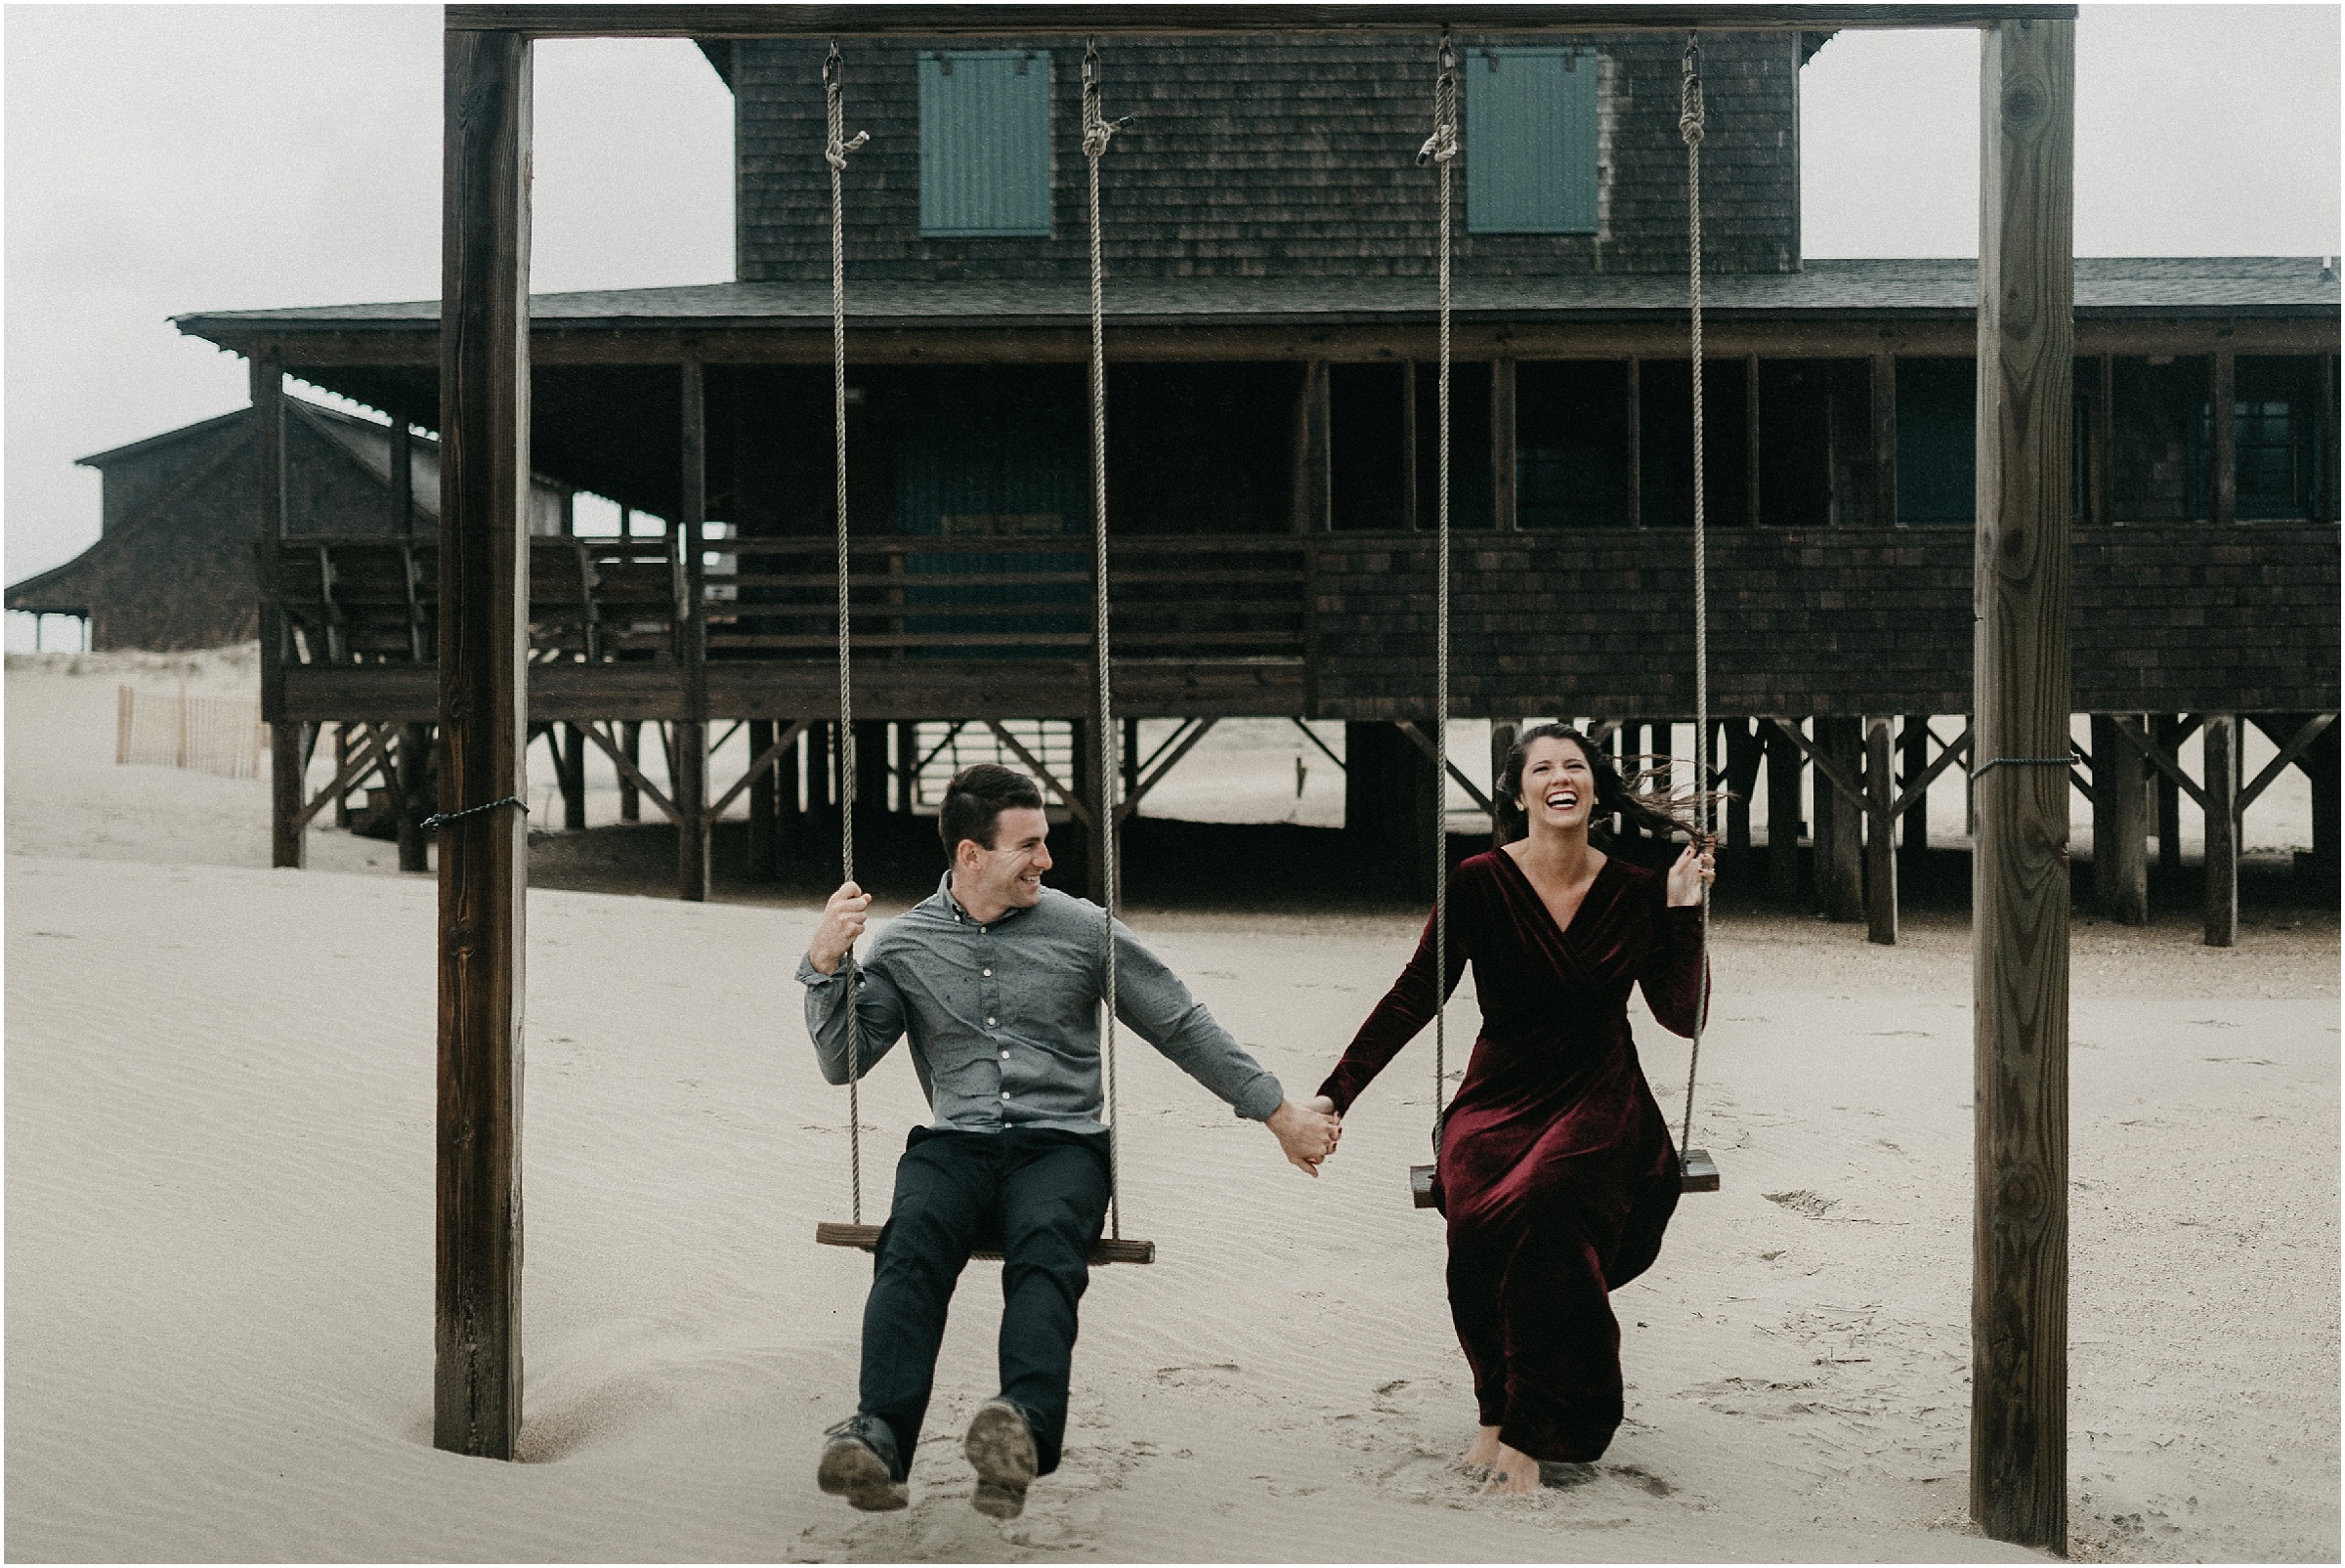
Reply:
x=1306 y=1133
x=842 y=922
x=1690 y=873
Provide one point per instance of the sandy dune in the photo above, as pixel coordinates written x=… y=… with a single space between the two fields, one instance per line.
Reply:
x=219 y=1091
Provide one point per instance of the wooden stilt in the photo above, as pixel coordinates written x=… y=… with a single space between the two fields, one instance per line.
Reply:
x=412 y=763
x=2166 y=730
x=761 y=804
x=908 y=762
x=631 y=800
x=1502 y=741
x=287 y=788
x=1744 y=755
x=484 y=650
x=1840 y=821
x=2320 y=769
x=690 y=794
x=572 y=742
x=341 y=759
x=2219 y=745
x=1880 y=833
x=1784 y=816
x=1913 y=845
x=2121 y=840
x=2019 y=922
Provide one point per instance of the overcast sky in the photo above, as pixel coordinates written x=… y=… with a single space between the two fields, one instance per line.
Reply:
x=174 y=158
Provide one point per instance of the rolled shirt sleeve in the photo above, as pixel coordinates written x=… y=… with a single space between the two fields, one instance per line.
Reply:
x=878 y=1001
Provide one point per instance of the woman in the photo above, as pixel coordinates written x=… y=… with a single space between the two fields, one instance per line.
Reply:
x=1557 y=1171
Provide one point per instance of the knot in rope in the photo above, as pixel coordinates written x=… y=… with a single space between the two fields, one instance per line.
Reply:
x=835 y=152
x=1689 y=97
x=1442 y=146
x=1097 y=127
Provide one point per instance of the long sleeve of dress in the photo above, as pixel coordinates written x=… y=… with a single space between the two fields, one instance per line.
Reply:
x=1674 y=972
x=1408 y=1006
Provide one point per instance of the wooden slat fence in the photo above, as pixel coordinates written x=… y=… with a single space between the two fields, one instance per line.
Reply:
x=221 y=735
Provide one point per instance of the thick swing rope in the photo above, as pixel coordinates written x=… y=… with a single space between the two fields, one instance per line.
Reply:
x=1689 y=126
x=1095 y=133
x=835 y=154
x=1442 y=149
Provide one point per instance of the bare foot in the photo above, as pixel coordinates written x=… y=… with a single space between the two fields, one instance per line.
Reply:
x=1515 y=1474
x=1485 y=1451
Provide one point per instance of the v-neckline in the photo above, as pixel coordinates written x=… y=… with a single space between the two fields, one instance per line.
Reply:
x=1561 y=928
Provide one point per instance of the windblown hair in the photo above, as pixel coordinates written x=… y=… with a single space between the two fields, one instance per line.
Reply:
x=1632 y=799
x=975 y=800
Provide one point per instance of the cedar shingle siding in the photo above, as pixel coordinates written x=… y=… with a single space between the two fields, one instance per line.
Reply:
x=1269 y=157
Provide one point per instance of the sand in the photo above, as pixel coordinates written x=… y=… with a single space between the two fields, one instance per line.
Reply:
x=219 y=1211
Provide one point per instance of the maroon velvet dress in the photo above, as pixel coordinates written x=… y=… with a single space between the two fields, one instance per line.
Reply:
x=1557 y=1171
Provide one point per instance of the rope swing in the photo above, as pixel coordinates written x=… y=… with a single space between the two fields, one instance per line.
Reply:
x=1696 y=1173
x=1097 y=130
x=835 y=154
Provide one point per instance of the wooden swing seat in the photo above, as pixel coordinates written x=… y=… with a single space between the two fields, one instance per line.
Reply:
x=1106 y=1249
x=1696 y=1173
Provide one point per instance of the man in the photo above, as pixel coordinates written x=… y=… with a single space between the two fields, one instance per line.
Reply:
x=997 y=980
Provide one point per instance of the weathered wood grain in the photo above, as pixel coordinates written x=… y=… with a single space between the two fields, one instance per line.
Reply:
x=482 y=650
x=2019 y=922
x=2120 y=829
x=1106 y=1249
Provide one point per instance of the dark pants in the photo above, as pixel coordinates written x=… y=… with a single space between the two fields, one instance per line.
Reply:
x=1039 y=1194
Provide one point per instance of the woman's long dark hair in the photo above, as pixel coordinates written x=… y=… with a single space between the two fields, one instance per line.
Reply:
x=1632 y=799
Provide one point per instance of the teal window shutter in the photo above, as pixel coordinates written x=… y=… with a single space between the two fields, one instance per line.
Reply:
x=1530 y=141
x=985 y=142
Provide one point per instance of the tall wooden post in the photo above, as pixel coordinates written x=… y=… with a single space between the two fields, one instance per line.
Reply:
x=692 y=631
x=2019 y=922
x=1742 y=773
x=341 y=758
x=1784 y=816
x=908 y=763
x=484 y=698
x=1880 y=833
x=287 y=757
x=2219 y=744
x=1502 y=741
x=2120 y=847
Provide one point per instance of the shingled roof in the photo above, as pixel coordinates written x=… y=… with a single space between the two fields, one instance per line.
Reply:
x=2116 y=286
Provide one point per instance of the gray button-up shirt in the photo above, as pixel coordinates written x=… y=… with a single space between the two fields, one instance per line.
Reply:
x=1004 y=1018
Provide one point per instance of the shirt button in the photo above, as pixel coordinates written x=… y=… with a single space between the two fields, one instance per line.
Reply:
x=1006 y=1056
x=1006 y=1094
x=989 y=1023
x=988 y=974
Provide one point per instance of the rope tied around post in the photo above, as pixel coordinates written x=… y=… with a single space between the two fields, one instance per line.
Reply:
x=1691 y=129
x=442 y=818
x=1097 y=130
x=835 y=154
x=1441 y=149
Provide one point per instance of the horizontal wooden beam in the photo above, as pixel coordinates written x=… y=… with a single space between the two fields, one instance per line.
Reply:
x=1337 y=338
x=1202 y=20
x=1106 y=1249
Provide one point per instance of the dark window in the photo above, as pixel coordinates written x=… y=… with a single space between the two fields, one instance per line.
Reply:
x=1801 y=403
x=1530 y=141
x=2158 y=438
x=1665 y=443
x=1367 y=417
x=1938 y=440
x=1571 y=444
x=2275 y=436
x=985 y=143
x=1470 y=490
